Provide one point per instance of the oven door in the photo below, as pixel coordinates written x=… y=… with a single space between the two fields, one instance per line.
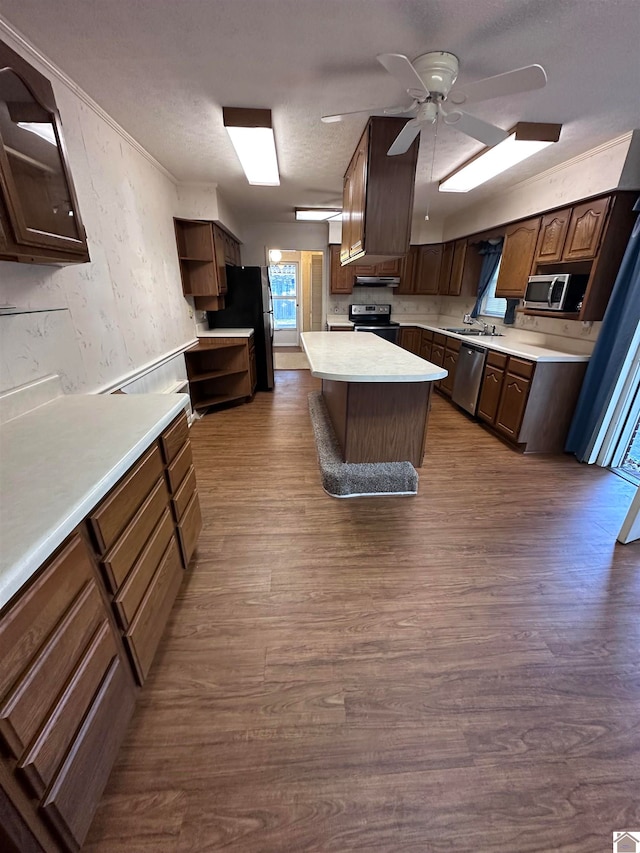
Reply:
x=389 y=333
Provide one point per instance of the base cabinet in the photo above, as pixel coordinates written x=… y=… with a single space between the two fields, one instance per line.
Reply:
x=530 y=404
x=80 y=637
x=221 y=370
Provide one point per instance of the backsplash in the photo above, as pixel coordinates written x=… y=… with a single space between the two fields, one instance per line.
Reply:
x=564 y=335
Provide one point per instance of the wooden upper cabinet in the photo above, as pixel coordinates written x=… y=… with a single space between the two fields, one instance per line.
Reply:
x=428 y=271
x=446 y=262
x=517 y=258
x=220 y=249
x=201 y=252
x=553 y=232
x=458 y=264
x=39 y=215
x=341 y=278
x=408 y=271
x=585 y=230
x=378 y=196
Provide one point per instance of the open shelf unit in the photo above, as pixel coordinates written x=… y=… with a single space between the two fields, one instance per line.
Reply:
x=220 y=370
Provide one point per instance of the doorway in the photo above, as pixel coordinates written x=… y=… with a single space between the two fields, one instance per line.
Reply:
x=296 y=285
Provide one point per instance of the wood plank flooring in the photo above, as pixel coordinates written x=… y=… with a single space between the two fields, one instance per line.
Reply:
x=453 y=671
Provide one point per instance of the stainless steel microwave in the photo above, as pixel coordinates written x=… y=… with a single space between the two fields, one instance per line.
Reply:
x=556 y=292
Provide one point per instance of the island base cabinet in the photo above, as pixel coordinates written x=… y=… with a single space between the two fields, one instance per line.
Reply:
x=379 y=421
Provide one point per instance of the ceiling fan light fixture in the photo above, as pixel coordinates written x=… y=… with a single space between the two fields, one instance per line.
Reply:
x=251 y=134
x=525 y=140
x=318 y=214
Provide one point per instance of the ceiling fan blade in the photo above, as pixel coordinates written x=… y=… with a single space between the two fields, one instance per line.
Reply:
x=399 y=66
x=481 y=130
x=387 y=111
x=402 y=142
x=510 y=83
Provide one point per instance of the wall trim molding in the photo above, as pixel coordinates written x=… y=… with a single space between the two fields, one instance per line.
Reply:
x=579 y=158
x=24 y=45
x=149 y=367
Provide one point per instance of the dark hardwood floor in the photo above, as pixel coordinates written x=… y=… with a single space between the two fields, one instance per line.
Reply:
x=456 y=671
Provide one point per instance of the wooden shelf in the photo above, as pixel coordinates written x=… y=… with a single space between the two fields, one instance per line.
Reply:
x=216 y=399
x=558 y=315
x=215 y=374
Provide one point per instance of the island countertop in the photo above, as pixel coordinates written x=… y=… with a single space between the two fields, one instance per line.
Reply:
x=365 y=357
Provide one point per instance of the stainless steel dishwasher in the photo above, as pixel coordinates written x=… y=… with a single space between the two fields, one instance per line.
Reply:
x=466 y=385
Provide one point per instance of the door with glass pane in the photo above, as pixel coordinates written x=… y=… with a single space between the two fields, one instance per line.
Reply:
x=284 y=279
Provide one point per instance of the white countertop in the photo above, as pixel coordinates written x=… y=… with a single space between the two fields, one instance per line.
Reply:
x=365 y=358
x=501 y=343
x=58 y=461
x=224 y=333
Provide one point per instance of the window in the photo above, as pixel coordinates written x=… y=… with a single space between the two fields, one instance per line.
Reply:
x=283 y=278
x=493 y=306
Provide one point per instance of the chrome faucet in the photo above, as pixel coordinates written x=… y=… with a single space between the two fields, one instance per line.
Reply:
x=469 y=320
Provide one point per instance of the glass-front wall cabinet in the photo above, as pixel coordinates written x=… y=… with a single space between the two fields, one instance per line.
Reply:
x=40 y=216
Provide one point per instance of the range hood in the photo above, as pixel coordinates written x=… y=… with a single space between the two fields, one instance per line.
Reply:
x=376 y=281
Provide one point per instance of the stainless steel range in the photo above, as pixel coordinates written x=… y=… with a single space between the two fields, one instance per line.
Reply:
x=376 y=319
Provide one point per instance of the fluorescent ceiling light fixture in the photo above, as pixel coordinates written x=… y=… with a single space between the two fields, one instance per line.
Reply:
x=526 y=139
x=252 y=137
x=318 y=214
x=42 y=129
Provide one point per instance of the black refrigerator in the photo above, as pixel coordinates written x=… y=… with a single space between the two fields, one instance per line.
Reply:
x=248 y=305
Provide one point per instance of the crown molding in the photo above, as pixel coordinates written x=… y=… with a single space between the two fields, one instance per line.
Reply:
x=579 y=158
x=24 y=46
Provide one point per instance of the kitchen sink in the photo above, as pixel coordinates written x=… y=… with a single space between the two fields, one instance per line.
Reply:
x=476 y=333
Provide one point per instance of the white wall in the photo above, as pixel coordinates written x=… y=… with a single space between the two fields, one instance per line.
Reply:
x=296 y=236
x=125 y=308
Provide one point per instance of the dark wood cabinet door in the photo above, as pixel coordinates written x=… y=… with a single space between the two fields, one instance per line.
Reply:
x=341 y=278
x=449 y=363
x=358 y=197
x=410 y=339
x=446 y=262
x=490 y=393
x=346 y=216
x=408 y=272
x=426 y=342
x=390 y=267
x=513 y=402
x=221 y=268
x=40 y=204
x=428 y=275
x=517 y=258
x=553 y=231
x=585 y=229
x=457 y=267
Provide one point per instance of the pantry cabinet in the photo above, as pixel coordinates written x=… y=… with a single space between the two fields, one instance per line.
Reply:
x=378 y=196
x=40 y=218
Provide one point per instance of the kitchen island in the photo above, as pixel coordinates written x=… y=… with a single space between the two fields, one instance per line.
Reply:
x=377 y=395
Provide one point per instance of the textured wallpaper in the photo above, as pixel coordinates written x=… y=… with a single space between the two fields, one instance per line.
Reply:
x=123 y=309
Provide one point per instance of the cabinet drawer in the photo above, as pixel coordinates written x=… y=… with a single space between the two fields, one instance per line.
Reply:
x=427 y=335
x=26 y=626
x=128 y=599
x=453 y=344
x=74 y=795
x=179 y=467
x=119 y=507
x=42 y=761
x=174 y=437
x=31 y=701
x=441 y=340
x=521 y=367
x=124 y=553
x=182 y=497
x=496 y=359
x=189 y=528
x=147 y=628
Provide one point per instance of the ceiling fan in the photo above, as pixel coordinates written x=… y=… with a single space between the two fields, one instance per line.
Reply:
x=429 y=81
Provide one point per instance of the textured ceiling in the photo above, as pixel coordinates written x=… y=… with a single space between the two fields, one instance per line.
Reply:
x=164 y=68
